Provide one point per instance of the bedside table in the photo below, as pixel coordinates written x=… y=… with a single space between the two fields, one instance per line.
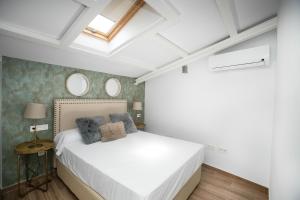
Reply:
x=25 y=150
x=140 y=126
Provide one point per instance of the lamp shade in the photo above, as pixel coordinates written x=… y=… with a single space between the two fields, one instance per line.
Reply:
x=35 y=111
x=137 y=105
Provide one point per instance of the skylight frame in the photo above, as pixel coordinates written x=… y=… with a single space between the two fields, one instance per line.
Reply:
x=101 y=22
x=118 y=26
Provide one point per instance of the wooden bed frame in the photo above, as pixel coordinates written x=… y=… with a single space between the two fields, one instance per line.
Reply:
x=65 y=113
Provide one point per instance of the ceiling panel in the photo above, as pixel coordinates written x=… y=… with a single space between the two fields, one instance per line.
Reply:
x=145 y=17
x=50 y=17
x=18 y=48
x=200 y=24
x=253 y=12
x=150 y=51
x=116 y=9
x=140 y=22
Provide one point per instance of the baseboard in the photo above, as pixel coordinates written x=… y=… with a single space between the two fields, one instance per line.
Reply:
x=259 y=187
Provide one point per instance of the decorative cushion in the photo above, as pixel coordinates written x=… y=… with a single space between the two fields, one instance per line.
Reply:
x=126 y=119
x=112 y=131
x=88 y=128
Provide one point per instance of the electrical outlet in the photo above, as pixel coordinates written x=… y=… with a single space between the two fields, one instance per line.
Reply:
x=31 y=128
x=216 y=148
x=42 y=127
x=222 y=150
x=211 y=147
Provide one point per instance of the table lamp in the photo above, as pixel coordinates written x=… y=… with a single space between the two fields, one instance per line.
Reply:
x=137 y=106
x=35 y=111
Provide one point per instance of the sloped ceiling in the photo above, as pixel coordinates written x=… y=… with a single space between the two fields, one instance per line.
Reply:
x=162 y=32
x=200 y=25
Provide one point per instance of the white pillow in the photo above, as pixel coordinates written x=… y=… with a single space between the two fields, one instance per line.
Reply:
x=66 y=137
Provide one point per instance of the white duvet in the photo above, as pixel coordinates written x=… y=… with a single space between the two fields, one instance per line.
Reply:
x=141 y=166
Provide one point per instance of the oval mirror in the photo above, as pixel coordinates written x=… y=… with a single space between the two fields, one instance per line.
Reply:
x=113 y=87
x=77 y=84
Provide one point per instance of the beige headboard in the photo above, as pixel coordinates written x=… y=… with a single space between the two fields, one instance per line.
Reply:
x=66 y=111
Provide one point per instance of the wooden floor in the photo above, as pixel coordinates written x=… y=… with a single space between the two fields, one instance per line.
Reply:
x=219 y=185
x=214 y=185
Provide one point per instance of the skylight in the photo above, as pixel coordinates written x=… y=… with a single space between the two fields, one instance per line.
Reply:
x=111 y=20
x=101 y=24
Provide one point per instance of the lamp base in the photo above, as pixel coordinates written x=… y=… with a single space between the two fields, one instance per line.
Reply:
x=34 y=145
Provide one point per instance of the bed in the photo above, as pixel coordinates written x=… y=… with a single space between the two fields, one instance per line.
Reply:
x=141 y=166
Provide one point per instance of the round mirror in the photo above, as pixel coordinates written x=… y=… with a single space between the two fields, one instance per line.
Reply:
x=77 y=84
x=113 y=87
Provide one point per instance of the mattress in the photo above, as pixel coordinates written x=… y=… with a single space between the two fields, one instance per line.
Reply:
x=141 y=166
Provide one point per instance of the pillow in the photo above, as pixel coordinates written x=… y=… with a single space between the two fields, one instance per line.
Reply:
x=112 y=131
x=126 y=119
x=64 y=138
x=88 y=128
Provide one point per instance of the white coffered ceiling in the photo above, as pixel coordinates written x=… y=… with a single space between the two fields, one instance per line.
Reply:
x=200 y=25
x=50 y=18
x=252 y=12
x=161 y=36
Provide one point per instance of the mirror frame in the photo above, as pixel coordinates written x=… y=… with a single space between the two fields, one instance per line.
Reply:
x=85 y=78
x=119 y=86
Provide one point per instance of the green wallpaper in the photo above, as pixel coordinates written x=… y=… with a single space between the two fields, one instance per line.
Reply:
x=27 y=81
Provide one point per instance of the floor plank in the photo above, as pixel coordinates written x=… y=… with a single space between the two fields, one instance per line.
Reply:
x=214 y=185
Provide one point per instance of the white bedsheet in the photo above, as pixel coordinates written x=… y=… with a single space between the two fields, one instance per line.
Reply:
x=141 y=166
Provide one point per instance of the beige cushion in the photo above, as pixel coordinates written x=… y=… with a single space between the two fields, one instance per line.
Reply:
x=112 y=131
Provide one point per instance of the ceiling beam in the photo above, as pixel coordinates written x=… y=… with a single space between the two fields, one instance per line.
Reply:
x=240 y=37
x=89 y=50
x=164 y=8
x=85 y=17
x=134 y=62
x=27 y=34
x=178 y=50
x=149 y=30
x=169 y=16
x=87 y=3
x=226 y=10
x=93 y=8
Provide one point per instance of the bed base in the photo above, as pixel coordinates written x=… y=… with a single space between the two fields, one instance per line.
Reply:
x=83 y=191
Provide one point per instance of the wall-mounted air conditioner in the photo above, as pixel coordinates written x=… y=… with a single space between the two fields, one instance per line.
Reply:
x=254 y=57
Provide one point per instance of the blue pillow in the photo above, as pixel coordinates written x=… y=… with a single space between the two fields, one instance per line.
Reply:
x=126 y=119
x=88 y=128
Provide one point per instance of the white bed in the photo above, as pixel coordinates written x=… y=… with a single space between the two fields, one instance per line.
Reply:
x=141 y=166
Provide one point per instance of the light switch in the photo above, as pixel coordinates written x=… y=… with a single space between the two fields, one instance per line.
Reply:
x=42 y=127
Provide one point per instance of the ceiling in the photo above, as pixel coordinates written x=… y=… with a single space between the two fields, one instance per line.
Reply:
x=161 y=33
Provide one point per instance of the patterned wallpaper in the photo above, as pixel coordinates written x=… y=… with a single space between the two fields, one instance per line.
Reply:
x=27 y=81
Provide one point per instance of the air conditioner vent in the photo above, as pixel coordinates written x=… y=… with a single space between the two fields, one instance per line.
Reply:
x=254 y=57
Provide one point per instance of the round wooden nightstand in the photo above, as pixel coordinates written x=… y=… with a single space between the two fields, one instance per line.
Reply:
x=140 y=126
x=28 y=148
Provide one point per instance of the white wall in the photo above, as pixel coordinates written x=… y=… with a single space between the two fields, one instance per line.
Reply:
x=230 y=109
x=0 y=122
x=285 y=173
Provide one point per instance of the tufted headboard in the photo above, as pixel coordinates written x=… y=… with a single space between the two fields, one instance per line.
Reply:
x=66 y=111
